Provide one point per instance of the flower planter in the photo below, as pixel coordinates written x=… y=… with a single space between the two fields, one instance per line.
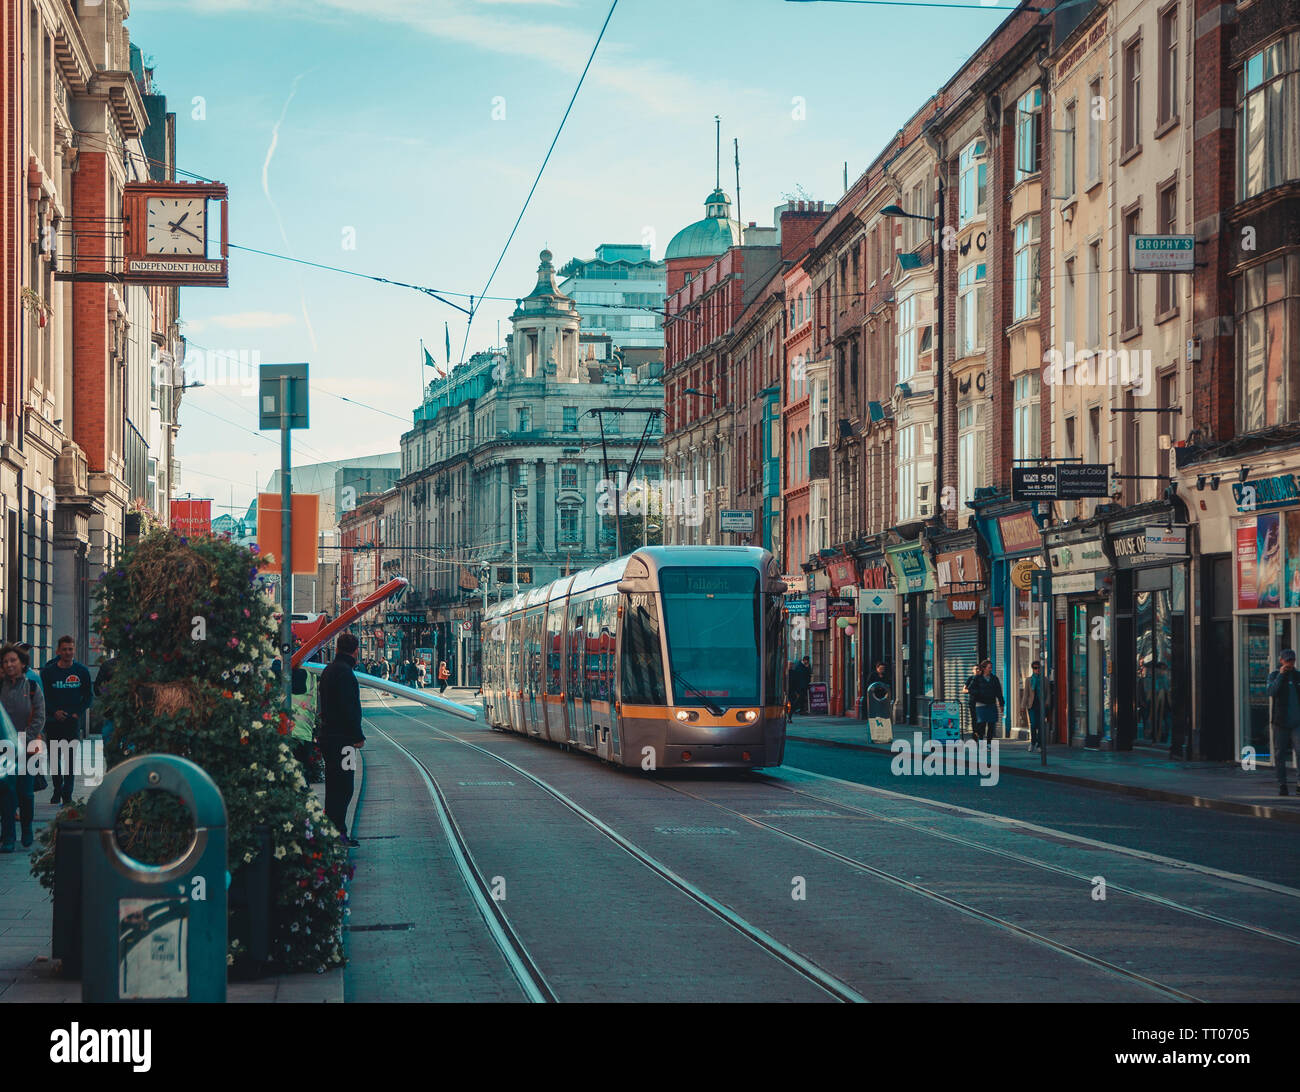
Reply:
x=251 y=909
x=66 y=931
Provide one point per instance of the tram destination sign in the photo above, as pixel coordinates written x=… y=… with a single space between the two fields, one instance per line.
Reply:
x=1065 y=481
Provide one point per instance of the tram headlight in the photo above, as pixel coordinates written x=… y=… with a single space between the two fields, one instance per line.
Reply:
x=687 y=714
x=747 y=716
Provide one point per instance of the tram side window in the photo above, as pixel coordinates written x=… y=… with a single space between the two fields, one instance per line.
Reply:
x=608 y=631
x=516 y=641
x=554 y=625
x=533 y=652
x=774 y=651
x=643 y=665
x=595 y=611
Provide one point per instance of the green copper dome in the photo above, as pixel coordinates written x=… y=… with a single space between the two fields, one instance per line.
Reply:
x=707 y=238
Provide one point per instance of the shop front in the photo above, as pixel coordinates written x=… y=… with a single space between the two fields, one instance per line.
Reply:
x=798 y=638
x=1015 y=622
x=960 y=593
x=877 y=607
x=1082 y=668
x=914 y=575
x=841 y=615
x=1266 y=585
x=1152 y=654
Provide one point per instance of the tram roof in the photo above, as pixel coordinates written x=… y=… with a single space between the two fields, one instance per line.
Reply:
x=611 y=572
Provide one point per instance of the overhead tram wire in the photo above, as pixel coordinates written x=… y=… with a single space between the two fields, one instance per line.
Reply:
x=533 y=189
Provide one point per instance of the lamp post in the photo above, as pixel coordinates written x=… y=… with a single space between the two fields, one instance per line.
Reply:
x=938 y=221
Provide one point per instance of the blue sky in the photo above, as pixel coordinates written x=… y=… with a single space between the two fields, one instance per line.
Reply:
x=370 y=123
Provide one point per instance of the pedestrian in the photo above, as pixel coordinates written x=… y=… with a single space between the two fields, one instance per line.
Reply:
x=444 y=674
x=24 y=706
x=1033 y=700
x=68 y=694
x=1284 y=716
x=338 y=732
x=419 y=675
x=792 y=675
x=987 y=703
x=383 y=669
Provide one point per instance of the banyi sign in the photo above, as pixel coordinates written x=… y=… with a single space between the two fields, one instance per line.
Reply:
x=1264 y=493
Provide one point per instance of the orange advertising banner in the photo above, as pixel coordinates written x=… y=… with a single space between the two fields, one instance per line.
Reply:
x=306 y=530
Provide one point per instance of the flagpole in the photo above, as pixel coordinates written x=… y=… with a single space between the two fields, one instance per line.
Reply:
x=422 y=358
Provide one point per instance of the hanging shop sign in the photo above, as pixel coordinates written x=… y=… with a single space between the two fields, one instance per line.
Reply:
x=1078 y=557
x=817 y=610
x=1022 y=573
x=963 y=607
x=911 y=567
x=796 y=583
x=1075 y=584
x=1019 y=533
x=736 y=521
x=1264 y=493
x=877 y=602
x=797 y=606
x=842 y=572
x=840 y=607
x=1162 y=253
x=874 y=576
x=958 y=572
x=1033 y=482
x=1133 y=548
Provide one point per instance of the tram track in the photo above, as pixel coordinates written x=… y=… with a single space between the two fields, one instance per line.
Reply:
x=1019 y=858
x=1169 y=992
x=504 y=934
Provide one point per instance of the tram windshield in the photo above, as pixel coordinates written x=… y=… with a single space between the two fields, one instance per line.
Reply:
x=712 y=621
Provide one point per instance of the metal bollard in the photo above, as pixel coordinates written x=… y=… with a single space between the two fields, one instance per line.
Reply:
x=154 y=932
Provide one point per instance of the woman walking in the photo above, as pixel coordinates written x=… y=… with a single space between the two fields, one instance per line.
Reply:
x=987 y=702
x=444 y=674
x=24 y=704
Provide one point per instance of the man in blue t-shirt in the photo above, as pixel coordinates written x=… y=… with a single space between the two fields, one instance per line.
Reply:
x=68 y=694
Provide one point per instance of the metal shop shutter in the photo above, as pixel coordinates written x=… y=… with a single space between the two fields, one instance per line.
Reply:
x=960 y=656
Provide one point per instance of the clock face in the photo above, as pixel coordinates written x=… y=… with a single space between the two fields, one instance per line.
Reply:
x=177 y=225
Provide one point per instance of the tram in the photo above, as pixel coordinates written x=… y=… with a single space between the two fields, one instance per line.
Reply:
x=670 y=657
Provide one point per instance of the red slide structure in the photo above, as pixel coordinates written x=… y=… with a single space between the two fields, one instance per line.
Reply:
x=326 y=633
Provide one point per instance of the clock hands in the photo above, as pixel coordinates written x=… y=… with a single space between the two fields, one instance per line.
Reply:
x=177 y=227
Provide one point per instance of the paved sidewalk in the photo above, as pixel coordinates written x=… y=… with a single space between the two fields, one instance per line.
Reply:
x=1219 y=786
x=28 y=974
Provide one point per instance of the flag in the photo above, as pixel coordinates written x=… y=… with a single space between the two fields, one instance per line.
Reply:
x=446 y=326
x=429 y=362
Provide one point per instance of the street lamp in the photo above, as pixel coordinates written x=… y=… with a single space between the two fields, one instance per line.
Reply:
x=938 y=221
x=518 y=493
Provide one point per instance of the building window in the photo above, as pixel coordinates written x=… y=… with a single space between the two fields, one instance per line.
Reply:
x=568 y=477
x=523 y=419
x=570 y=418
x=1168 y=396
x=1070 y=438
x=1167 y=104
x=1068 y=152
x=1096 y=113
x=968 y=455
x=1025 y=424
x=906 y=339
x=1167 y=224
x=1268 y=108
x=1094 y=434
x=1029 y=124
x=570 y=527
x=1094 y=296
x=1068 y=298
x=972 y=283
x=973 y=187
x=918 y=228
x=1132 y=296
x=1132 y=121
x=1268 y=317
x=915 y=443
x=1026 y=269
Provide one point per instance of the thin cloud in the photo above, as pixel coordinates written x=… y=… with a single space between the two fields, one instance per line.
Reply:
x=250 y=320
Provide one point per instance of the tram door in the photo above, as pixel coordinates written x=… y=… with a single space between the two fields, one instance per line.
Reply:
x=573 y=699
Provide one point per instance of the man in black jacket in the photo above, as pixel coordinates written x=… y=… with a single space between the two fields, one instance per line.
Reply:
x=987 y=702
x=339 y=732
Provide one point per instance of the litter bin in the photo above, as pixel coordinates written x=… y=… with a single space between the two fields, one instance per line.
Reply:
x=154 y=932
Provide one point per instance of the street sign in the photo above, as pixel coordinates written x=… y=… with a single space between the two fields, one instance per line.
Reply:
x=1033 y=482
x=268 y=395
x=732 y=520
x=1162 y=253
x=1078 y=481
